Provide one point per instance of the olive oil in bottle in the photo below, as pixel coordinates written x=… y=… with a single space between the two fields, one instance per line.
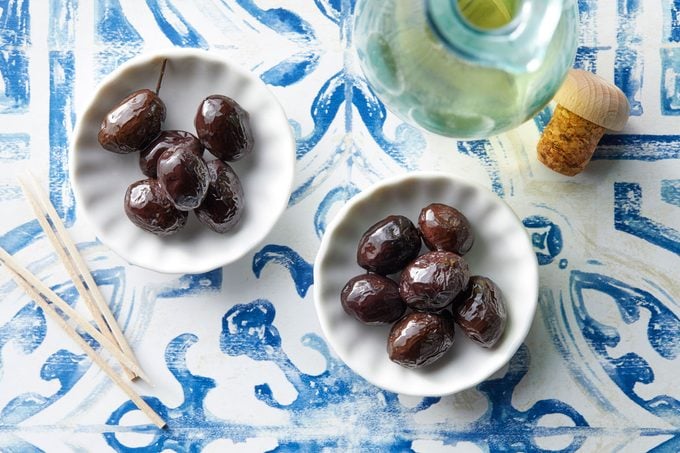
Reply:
x=488 y=14
x=461 y=69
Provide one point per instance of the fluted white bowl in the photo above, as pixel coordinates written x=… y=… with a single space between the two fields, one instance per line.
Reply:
x=100 y=178
x=502 y=251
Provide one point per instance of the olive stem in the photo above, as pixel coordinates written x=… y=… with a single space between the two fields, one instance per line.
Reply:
x=160 y=77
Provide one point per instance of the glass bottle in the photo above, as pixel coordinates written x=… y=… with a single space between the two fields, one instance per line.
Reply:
x=466 y=68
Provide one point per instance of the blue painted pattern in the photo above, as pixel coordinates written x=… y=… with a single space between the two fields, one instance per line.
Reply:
x=236 y=353
x=628 y=217
x=16 y=39
x=14 y=147
x=546 y=238
x=248 y=329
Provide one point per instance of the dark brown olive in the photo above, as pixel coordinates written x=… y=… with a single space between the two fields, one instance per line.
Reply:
x=445 y=228
x=372 y=299
x=183 y=176
x=481 y=312
x=419 y=339
x=222 y=208
x=148 y=158
x=148 y=208
x=389 y=245
x=223 y=127
x=433 y=280
x=132 y=123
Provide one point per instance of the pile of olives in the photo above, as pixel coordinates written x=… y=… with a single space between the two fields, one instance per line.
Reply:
x=179 y=180
x=433 y=292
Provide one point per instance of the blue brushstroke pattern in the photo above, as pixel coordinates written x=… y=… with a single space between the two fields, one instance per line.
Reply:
x=648 y=148
x=26 y=330
x=323 y=111
x=628 y=218
x=193 y=284
x=290 y=26
x=249 y=330
x=670 y=81
x=10 y=443
x=282 y=21
x=508 y=429
x=546 y=238
x=117 y=40
x=589 y=48
x=166 y=15
x=61 y=41
x=64 y=367
x=345 y=88
x=300 y=270
x=291 y=70
x=480 y=149
x=663 y=333
x=562 y=335
x=332 y=9
x=672 y=445
x=671 y=21
x=629 y=63
x=337 y=195
x=542 y=119
x=188 y=413
x=670 y=191
x=409 y=142
x=15 y=39
x=586 y=57
x=9 y=192
x=21 y=236
x=14 y=147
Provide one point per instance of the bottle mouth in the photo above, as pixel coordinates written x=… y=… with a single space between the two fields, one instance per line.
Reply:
x=498 y=17
x=516 y=40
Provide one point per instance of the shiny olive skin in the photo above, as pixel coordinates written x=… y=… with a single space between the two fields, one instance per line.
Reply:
x=132 y=123
x=433 y=280
x=222 y=207
x=184 y=178
x=420 y=338
x=147 y=207
x=223 y=127
x=148 y=158
x=445 y=228
x=389 y=245
x=372 y=299
x=480 y=312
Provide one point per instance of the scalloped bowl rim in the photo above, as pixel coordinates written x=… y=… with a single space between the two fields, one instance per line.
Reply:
x=383 y=378
x=285 y=135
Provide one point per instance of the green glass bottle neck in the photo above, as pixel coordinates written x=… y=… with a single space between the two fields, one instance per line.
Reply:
x=517 y=46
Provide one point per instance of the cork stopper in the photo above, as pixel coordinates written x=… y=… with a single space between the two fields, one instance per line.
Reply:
x=567 y=144
x=587 y=106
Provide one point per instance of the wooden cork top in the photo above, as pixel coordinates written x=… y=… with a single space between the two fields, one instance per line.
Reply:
x=594 y=99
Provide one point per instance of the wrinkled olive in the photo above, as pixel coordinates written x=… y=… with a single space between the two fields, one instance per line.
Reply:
x=148 y=208
x=481 y=312
x=184 y=178
x=445 y=228
x=132 y=123
x=148 y=158
x=419 y=339
x=223 y=127
x=372 y=299
x=433 y=280
x=389 y=245
x=222 y=207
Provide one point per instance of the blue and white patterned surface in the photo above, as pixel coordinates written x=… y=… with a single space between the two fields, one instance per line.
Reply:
x=236 y=354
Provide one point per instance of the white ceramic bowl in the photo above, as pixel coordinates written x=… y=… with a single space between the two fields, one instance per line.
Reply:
x=502 y=251
x=100 y=178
